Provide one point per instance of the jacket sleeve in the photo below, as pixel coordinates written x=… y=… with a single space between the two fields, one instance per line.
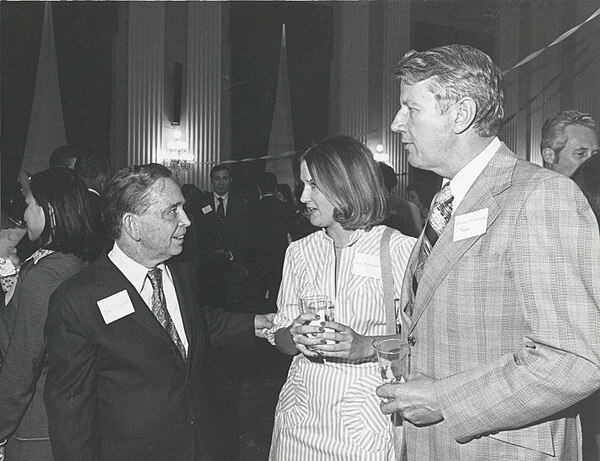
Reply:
x=555 y=271
x=229 y=329
x=70 y=393
x=24 y=357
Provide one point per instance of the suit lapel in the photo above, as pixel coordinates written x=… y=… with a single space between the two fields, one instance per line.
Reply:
x=231 y=206
x=407 y=294
x=494 y=179
x=109 y=276
x=184 y=297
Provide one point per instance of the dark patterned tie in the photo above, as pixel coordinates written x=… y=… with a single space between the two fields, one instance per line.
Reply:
x=159 y=308
x=439 y=216
x=221 y=209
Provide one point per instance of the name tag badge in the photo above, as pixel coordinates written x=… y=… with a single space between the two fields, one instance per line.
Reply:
x=367 y=265
x=207 y=209
x=115 y=307
x=470 y=224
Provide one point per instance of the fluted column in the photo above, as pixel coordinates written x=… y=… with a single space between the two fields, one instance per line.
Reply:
x=354 y=70
x=146 y=81
x=507 y=52
x=545 y=73
x=203 y=105
x=396 y=42
x=587 y=65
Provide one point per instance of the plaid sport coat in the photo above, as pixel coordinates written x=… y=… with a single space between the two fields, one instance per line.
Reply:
x=508 y=322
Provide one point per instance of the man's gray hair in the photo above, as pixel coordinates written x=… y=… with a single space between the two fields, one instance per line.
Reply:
x=553 y=130
x=458 y=71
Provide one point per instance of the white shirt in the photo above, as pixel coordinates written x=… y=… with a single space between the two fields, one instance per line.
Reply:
x=464 y=179
x=138 y=276
x=225 y=200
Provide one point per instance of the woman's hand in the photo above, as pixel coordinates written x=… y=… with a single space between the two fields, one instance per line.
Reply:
x=348 y=343
x=299 y=330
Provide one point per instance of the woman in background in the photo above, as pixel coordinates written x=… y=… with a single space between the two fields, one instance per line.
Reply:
x=327 y=407
x=284 y=193
x=58 y=216
x=417 y=194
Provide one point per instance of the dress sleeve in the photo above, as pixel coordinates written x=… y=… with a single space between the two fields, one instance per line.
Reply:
x=24 y=356
x=288 y=303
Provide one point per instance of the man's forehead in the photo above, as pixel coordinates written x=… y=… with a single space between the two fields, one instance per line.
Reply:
x=415 y=90
x=579 y=134
x=165 y=189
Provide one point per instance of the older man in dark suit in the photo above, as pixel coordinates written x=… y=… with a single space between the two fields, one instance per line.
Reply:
x=126 y=337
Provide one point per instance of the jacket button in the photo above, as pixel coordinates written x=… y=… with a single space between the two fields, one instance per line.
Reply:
x=191 y=422
x=412 y=340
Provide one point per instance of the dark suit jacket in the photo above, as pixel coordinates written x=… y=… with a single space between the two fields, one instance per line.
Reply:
x=270 y=222
x=122 y=391
x=231 y=234
x=97 y=206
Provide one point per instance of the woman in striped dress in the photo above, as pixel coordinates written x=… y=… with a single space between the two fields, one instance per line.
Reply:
x=328 y=408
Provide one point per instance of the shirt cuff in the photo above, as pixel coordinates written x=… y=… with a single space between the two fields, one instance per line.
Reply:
x=280 y=321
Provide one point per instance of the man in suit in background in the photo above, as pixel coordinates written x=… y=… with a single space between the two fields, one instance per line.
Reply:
x=64 y=157
x=126 y=337
x=500 y=296
x=94 y=172
x=221 y=221
x=568 y=139
x=272 y=223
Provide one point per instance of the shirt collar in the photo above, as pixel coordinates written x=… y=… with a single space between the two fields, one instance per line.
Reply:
x=464 y=179
x=132 y=270
x=224 y=197
x=353 y=237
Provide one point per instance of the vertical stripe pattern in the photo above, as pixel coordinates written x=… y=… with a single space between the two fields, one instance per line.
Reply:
x=146 y=81
x=439 y=216
x=328 y=409
x=202 y=106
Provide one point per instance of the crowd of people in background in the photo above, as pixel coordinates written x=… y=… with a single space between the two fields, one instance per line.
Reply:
x=122 y=305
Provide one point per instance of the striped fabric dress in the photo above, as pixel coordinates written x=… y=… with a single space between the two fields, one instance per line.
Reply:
x=328 y=408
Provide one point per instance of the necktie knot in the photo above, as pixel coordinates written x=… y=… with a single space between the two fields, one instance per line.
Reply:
x=441 y=211
x=220 y=199
x=444 y=195
x=155 y=277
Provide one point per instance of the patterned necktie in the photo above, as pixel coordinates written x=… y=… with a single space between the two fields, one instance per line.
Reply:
x=439 y=216
x=159 y=308
x=221 y=209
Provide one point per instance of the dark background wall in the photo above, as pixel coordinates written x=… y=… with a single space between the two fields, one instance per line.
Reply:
x=83 y=37
x=255 y=40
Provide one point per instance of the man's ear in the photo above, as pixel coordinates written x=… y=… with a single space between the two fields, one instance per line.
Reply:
x=131 y=226
x=549 y=155
x=465 y=111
